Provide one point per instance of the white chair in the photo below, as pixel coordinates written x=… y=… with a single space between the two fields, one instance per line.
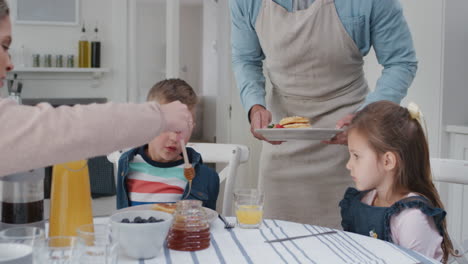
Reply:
x=232 y=156
x=229 y=155
x=454 y=172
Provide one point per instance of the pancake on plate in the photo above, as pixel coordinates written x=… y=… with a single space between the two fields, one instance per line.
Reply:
x=165 y=207
x=295 y=122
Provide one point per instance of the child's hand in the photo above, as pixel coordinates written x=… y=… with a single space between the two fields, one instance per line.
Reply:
x=178 y=117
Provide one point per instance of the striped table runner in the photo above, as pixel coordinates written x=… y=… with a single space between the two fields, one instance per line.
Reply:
x=247 y=246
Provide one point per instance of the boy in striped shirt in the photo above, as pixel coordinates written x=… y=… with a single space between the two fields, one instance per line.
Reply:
x=154 y=173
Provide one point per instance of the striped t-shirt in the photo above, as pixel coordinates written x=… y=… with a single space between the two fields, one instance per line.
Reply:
x=149 y=181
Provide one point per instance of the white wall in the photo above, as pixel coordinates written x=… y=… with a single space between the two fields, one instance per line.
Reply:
x=191 y=41
x=455 y=82
x=150 y=41
x=441 y=84
x=64 y=40
x=150 y=44
x=426 y=88
x=210 y=66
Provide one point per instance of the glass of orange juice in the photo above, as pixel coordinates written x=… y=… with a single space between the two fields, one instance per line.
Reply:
x=249 y=207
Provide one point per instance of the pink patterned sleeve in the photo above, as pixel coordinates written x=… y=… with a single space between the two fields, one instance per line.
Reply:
x=39 y=136
x=414 y=230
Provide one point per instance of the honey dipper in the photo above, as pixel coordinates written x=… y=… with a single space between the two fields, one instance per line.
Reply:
x=189 y=171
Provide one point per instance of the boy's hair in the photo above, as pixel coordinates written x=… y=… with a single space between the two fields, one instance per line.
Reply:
x=171 y=90
x=390 y=128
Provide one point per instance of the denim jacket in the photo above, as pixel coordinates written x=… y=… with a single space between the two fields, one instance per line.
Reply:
x=205 y=185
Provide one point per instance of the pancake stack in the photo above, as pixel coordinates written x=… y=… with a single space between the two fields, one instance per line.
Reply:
x=295 y=122
x=165 y=207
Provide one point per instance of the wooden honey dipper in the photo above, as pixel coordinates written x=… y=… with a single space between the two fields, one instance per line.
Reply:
x=189 y=171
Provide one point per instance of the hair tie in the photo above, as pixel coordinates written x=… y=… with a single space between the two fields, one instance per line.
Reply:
x=414 y=111
x=416 y=114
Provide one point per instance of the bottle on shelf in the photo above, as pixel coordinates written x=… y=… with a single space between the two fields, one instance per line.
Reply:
x=96 y=49
x=84 y=55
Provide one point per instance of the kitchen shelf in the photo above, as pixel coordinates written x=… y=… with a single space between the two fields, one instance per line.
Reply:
x=94 y=71
x=52 y=73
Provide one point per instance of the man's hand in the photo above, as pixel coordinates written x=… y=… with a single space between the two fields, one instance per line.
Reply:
x=260 y=118
x=341 y=138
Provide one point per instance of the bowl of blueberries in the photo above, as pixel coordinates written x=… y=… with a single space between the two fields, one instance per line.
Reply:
x=141 y=234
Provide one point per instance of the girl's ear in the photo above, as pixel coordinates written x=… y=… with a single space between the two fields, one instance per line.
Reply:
x=389 y=161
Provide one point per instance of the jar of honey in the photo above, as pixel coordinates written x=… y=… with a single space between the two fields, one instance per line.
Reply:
x=190 y=230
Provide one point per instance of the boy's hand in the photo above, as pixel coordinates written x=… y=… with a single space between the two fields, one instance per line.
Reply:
x=178 y=117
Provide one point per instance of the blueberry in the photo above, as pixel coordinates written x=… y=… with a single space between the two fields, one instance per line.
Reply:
x=143 y=221
x=125 y=220
x=152 y=220
x=159 y=220
x=137 y=220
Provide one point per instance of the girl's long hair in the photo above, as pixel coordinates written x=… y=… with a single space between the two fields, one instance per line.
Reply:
x=390 y=128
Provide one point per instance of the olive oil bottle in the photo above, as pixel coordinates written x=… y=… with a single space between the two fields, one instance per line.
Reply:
x=84 y=53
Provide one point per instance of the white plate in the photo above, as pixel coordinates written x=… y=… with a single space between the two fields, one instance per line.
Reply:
x=211 y=214
x=288 y=134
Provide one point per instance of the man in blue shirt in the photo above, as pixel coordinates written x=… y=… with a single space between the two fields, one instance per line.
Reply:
x=313 y=54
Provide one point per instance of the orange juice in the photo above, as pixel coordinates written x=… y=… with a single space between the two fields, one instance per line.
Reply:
x=249 y=207
x=70 y=203
x=249 y=214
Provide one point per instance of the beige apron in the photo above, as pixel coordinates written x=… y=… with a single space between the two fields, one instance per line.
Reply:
x=316 y=71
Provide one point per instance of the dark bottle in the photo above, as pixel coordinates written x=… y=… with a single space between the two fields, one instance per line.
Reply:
x=96 y=50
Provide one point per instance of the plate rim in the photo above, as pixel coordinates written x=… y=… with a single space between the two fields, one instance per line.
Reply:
x=140 y=207
x=297 y=134
x=300 y=129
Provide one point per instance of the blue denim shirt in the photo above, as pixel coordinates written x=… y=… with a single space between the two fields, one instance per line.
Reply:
x=205 y=185
x=370 y=23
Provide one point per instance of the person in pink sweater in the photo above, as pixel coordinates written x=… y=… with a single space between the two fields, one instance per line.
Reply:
x=38 y=136
x=395 y=199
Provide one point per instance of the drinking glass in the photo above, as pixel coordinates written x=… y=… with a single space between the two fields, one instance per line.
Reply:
x=27 y=235
x=99 y=246
x=58 y=250
x=249 y=207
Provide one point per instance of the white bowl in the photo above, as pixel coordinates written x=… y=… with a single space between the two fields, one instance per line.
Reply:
x=141 y=241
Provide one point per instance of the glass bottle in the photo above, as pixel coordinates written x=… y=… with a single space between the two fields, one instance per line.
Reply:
x=84 y=51
x=96 y=50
